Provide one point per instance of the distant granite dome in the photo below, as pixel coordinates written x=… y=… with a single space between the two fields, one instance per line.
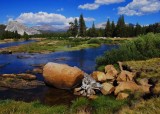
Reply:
x=20 y=28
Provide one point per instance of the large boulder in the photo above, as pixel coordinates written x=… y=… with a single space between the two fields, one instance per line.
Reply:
x=61 y=75
x=110 y=71
x=129 y=86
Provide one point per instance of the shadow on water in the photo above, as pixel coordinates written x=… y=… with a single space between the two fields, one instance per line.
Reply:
x=84 y=59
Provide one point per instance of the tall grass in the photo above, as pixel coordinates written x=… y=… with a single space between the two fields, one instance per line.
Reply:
x=145 y=47
x=107 y=104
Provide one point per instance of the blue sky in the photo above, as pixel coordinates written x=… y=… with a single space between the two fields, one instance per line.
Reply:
x=59 y=12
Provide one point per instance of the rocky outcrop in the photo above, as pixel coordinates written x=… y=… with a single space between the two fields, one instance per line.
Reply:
x=6 y=52
x=62 y=76
x=123 y=84
x=19 y=81
x=20 y=28
x=23 y=76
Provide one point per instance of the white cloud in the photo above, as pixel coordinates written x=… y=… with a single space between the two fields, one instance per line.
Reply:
x=61 y=9
x=47 y=18
x=140 y=7
x=89 y=6
x=108 y=1
x=98 y=3
x=101 y=25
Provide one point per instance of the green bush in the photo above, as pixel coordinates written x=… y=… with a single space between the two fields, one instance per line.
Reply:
x=145 y=47
x=94 y=41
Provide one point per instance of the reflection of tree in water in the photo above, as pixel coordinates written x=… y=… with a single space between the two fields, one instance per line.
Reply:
x=53 y=96
x=82 y=58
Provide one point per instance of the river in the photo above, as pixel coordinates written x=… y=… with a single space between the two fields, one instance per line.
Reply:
x=84 y=59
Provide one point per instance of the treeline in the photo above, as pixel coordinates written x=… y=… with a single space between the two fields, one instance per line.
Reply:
x=78 y=29
x=121 y=29
x=13 y=35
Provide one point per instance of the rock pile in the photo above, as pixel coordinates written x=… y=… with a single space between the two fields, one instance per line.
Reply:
x=121 y=83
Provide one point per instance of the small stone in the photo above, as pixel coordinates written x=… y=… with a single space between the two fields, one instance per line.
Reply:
x=125 y=76
x=37 y=71
x=99 y=76
x=122 y=96
x=107 y=88
x=93 y=97
x=111 y=71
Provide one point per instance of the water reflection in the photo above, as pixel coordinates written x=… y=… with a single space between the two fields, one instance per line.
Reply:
x=84 y=59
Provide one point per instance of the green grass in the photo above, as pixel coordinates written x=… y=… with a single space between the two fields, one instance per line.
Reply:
x=107 y=104
x=79 y=104
x=67 y=44
x=149 y=68
x=83 y=105
x=18 y=107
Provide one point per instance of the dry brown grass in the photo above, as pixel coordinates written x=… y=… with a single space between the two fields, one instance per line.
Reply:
x=151 y=106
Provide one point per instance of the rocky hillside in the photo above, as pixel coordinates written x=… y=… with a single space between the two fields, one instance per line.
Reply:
x=20 y=28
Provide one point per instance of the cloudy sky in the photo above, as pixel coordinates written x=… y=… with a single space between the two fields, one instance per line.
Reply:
x=61 y=12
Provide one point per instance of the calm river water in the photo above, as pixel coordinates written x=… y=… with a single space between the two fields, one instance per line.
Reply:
x=84 y=59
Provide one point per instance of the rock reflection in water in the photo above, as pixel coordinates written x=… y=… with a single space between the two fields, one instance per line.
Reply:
x=46 y=95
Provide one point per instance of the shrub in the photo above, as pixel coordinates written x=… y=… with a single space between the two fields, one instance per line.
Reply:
x=145 y=47
x=94 y=41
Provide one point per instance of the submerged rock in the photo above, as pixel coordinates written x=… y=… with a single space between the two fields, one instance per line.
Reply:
x=62 y=76
x=6 y=52
x=19 y=83
x=37 y=70
x=20 y=76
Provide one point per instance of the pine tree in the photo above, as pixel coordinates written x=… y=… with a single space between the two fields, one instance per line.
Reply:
x=75 y=33
x=113 y=27
x=26 y=36
x=120 y=28
x=138 y=30
x=108 y=32
x=93 y=31
x=82 y=26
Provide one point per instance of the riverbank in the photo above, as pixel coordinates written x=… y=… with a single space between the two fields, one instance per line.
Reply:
x=103 y=104
x=54 y=45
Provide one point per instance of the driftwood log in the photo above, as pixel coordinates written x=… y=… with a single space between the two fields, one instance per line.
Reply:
x=89 y=85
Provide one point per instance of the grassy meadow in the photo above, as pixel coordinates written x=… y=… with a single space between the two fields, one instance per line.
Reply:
x=64 y=44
